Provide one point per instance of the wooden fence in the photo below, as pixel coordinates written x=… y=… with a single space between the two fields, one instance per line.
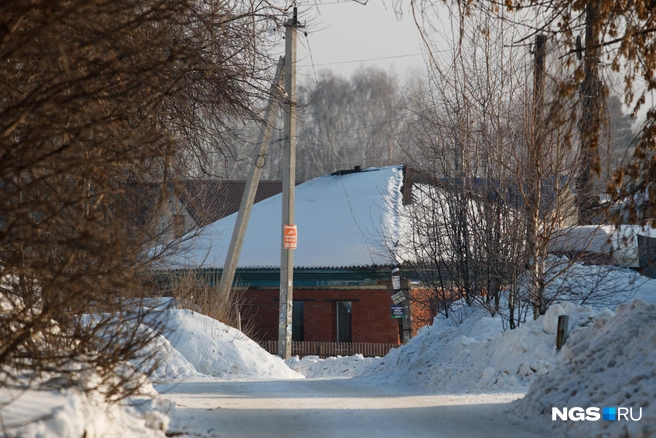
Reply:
x=328 y=349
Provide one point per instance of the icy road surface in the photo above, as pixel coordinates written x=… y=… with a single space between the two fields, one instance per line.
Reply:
x=335 y=408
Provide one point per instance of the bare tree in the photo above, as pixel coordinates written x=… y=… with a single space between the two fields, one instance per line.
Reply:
x=99 y=96
x=345 y=123
x=499 y=176
x=602 y=39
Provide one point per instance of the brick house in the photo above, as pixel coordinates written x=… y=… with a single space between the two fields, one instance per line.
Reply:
x=347 y=221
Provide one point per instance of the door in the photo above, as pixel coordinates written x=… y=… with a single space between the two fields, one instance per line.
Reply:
x=298 y=321
x=344 y=320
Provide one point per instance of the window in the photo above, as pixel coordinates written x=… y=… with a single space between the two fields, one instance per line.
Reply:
x=344 y=311
x=298 y=321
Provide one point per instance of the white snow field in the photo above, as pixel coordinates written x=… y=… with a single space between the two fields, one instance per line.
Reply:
x=64 y=413
x=197 y=348
x=216 y=350
x=452 y=380
x=611 y=363
x=340 y=366
x=349 y=408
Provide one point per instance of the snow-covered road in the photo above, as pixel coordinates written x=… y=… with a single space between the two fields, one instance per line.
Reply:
x=335 y=408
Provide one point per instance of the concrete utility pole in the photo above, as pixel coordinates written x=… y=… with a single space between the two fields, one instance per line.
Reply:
x=591 y=115
x=239 y=232
x=288 y=194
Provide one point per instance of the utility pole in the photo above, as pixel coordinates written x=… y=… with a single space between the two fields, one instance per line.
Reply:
x=288 y=194
x=534 y=164
x=538 y=85
x=591 y=116
x=239 y=232
x=407 y=321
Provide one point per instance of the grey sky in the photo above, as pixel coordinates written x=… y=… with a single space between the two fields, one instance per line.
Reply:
x=342 y=35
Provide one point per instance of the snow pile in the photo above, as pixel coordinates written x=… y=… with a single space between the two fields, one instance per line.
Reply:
x=172 y=366
x=349 y=366
x=646 y=291
x=599 y=286
x=70 y=413
x=217 y=350
x=196 y=347
x=478 y=355
x=472 y=352
x=611 y=363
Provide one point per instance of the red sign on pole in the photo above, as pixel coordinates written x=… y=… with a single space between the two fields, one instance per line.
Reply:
x=290 y=237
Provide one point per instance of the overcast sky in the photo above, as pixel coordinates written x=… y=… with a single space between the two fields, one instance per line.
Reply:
x=342 y=35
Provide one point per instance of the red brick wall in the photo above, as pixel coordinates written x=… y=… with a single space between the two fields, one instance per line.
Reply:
x=423 y=308
x=424 y=305
x=371 y=318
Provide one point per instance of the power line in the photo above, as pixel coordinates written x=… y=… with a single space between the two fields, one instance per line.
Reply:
x=359 y=60
x=348 y=199
x=339 y=3
x=344 y=163
x=323 y=107
x=370 y=126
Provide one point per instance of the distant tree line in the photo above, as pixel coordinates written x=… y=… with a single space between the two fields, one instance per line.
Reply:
x=342 y=123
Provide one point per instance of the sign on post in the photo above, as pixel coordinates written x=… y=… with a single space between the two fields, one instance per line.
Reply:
x=290 y=237
x=398 y=311
x=398 y=297
x=396 y=282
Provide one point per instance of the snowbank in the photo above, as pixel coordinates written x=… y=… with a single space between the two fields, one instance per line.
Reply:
x=217 y=350
x=610 y=363
x=196 y=347
x=173 y=366
x=478 y=355
x=598 y=286
x=349 y=366
x=70 y=413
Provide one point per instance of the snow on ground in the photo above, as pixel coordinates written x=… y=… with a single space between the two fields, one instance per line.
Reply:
x=340 y=366
x=599 y=286
x=611 y=363
x=217 y=350
x=337 y=407
x=70 y=413
x=609 y=360
x=645 y=290
x=196 y=348
x=173 y=365
x=478 y=355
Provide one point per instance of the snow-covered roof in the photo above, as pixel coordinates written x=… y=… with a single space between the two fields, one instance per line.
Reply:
x=340 y=219
x=621 y=242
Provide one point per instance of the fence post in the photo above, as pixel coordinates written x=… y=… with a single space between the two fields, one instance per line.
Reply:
x=563 y=331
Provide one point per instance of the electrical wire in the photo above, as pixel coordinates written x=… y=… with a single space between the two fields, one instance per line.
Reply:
x=348 y=199
x=323 y=107
x=363 y=60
